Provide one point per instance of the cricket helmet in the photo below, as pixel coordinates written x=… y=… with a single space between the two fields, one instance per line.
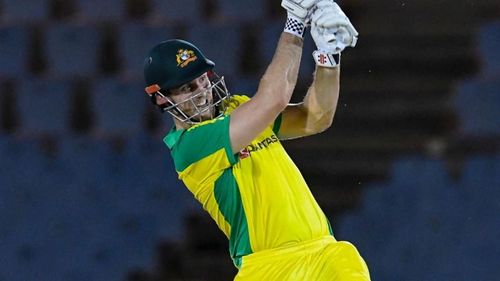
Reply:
x=173 y=63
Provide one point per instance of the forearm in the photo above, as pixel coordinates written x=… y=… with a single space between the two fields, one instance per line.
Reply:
x=273 y=95
x=280 y=78
x=332 y=32
x=321 y=100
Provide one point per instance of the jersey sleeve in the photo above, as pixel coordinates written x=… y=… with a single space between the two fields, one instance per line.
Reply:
x=204 y=151
x=277 y=124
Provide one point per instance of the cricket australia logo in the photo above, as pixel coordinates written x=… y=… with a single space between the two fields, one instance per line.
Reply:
x=184 y=57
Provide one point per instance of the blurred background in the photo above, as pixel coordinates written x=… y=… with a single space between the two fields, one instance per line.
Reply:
x=409 y=172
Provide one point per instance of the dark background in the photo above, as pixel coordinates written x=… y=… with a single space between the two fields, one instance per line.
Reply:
x=409 y=172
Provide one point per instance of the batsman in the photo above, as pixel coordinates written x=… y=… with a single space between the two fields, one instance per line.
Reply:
x=227 y=149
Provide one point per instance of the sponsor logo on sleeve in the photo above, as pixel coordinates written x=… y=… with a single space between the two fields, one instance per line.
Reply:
x=257 y=146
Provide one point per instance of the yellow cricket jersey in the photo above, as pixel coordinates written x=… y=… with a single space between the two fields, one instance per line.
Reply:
x=257 y=197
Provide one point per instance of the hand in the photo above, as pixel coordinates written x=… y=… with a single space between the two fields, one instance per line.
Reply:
x=300 y=9
x=332 y=40
x=331 y=29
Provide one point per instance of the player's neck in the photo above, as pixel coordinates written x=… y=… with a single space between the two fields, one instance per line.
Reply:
x=181 y=125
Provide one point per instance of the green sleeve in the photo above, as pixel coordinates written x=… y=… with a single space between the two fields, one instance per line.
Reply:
x=202 y=141
x=277 y=124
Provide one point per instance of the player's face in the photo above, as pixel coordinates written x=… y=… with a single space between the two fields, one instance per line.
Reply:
x=199 y=91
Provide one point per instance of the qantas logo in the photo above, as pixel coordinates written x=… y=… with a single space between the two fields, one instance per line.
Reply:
x=254 y=147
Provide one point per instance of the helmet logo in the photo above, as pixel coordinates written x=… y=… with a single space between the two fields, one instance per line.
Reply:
x=184 y=57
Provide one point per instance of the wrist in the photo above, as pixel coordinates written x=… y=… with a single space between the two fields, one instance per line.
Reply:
x=295 y=25
x=326 y=59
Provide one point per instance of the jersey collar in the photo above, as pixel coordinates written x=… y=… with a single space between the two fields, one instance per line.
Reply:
x=172 y=137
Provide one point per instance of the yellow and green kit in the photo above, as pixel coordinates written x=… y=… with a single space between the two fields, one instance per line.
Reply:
x=261 y=202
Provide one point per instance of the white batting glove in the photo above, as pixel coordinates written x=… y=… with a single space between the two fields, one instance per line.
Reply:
x=332 y=32
x=298 y=8
x=329 y=15
x=327 y=44
x=299 y=12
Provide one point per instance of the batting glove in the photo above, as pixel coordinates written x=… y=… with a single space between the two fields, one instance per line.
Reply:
x=332 y=32
x=299 y=12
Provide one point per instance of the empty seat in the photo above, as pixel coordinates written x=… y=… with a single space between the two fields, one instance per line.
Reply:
x=479 y=184
x=14 y=42
x=135 y=42
x=93 y=186
x=489 y=44
x=186 y=11
x=477 y=103
x=242 y=10
x=119 y=106
x=388 y=225
x=481 y=172
x=72 y=50
x=155 y=185
x=221 y=43
x=16 y=187
x=44 y=106
x=86 y=158
x=25 y=11
x=100 y=11
x=137 y=233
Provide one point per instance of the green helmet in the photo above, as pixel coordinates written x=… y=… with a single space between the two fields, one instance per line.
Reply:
x=173 y=63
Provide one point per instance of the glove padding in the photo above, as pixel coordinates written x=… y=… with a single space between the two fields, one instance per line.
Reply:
x=299 y=8
x=331 y=29
x=332 y=40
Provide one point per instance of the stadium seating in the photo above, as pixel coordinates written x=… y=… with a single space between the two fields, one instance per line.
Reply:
x=135 y=41
x=479 y=184
x=87 y=161
x=243 y=10
x=14 y=43
x=477 y=103
x=479 y=212
x=424 y=209
x=119 y=106
x=154 y=185
x=242 y=85
x=72 y=50
x=489 y=44
x=30 y=209
x=186 y=12
x=25 y=11
x=38 y=97
x=221 y=43
x=94 y=206
x=93 y=11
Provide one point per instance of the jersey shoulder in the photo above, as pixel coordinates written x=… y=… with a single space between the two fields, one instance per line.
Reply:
x=234 y=101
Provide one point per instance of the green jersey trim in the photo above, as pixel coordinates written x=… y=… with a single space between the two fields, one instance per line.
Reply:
x=330 y=227
x=277 y=124
x=228 y=197
x=191 y=145
x=171 y=138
